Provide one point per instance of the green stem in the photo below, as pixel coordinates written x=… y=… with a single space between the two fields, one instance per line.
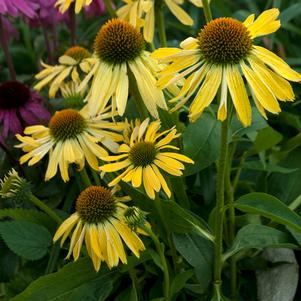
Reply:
x=135 y=282
x=231 y=223
x=72 y=25
x=220 y=190
x=5 y=47
x=159 y=12
x=85 y=178
x=136 y=95
x=110 y=9
x=207 y=11
x=33 y=199
x=96 y=177
x=160 y=250
x=178 y=188
x=239 y=170
x=53 y=258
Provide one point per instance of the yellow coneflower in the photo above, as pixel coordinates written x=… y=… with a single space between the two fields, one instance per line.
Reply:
x=141 y=13
x=218 y=57
x=143 y=154
x=71 y=137
x=71 y=63
x=63 y=5
x=99 y=221
x=119 y=50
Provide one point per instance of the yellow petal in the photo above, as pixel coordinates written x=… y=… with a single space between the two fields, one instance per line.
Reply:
x=261 y=92
x=179 y=13
x=265 y=23
x=239 y=95
x=115 y=166
x=276 y=63
x=206 y=93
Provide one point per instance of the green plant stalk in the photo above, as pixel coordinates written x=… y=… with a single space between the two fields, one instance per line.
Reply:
x=239 y=170
x=53 y=258
x=220 y=196
x=72 y=24
x=178 y=187
x=231 y=222
x=110 y=9
x=85 y=178
x=95 y=176
x=207 y=11
x=136 y=95
x=160 y=250
x=159 y=17
x=135 y=282
x=33 y=199
x=4 y=43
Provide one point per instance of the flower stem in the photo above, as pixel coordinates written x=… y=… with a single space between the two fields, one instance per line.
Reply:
x=231 y=222
x=160 y=250
x=33 y=199
x=220 y=190
x=110 y=9
x=85 y=178
x=135 y=282
x=159 y=12
x=136 y=95
x=207 y=11
x=72 y=24
x=4 y=43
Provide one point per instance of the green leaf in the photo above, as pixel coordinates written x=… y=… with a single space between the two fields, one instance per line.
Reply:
x=258 y=122
x=181 y=220
x=270 y=207
x=29 y=215
x=61 y=285
x=279 y=281
x=93 y=290
x=268 y=167
x=266 y=139
x=127 y=294
x=28 y=240
x=201 y=143
x=256 y=236
x=179 y=281
x=198 y=252
x=290 y=13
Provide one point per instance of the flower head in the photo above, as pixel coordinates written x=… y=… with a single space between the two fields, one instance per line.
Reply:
x=118 y=53
x=19 y=106
x=14 y=186
x=142 y=156
x=141 y=13
x=46 y=14
x=71 y=137
x=72 y=98
x=15 y=8
x=223 y=51
x=64 y=5
x=71 y=63
x=99 y=221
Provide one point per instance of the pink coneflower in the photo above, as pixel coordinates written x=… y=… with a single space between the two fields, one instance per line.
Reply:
x=17 y=7
x=95 y=9
x=46 y=14
x=19 y=107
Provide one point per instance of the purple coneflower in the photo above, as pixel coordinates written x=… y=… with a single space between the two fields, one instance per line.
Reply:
x=16 y=7
x=19 y=107
x=95 y=9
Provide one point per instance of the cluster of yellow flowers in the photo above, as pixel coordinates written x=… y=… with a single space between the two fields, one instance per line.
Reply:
x=217 y=59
